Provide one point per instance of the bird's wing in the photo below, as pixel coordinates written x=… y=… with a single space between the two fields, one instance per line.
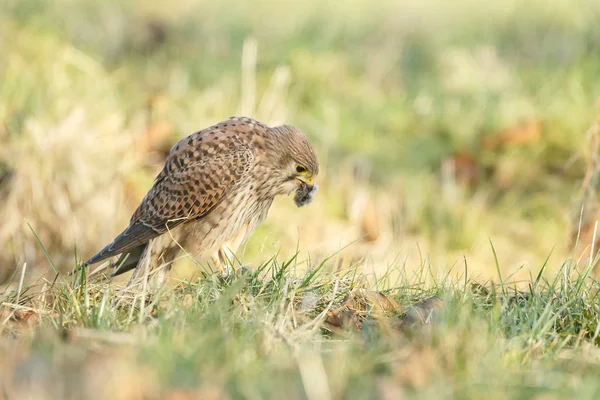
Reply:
x=198 y=173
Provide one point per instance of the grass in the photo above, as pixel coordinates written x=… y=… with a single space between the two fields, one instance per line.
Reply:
x=441 y=128
x=313 y=335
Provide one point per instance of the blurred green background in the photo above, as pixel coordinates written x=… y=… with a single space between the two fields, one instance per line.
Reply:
x=440 y=125
x=454 y=137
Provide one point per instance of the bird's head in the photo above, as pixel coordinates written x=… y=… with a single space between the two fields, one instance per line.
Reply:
x=296 y=164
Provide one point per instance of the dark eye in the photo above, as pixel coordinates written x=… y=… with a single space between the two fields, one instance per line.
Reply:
x=300 y=169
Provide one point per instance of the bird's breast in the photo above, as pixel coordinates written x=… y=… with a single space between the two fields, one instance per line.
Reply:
x=233 y=220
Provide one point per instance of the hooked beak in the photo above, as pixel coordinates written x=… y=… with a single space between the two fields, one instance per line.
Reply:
x=309 y=181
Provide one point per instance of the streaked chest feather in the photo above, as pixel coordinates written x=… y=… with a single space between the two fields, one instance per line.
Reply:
x=235 y=217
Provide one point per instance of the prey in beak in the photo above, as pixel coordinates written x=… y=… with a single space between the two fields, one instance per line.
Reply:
x=305 y=192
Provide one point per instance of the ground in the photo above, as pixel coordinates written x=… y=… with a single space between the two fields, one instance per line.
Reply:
x=446 y=255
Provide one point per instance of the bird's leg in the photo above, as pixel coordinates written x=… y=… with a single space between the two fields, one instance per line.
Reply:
x=217 y=262
x=222 y=259
x=227 y=259
x=226 y=254
x=224 y=262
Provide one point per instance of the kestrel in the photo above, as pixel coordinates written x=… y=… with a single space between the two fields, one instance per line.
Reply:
x=215 y=188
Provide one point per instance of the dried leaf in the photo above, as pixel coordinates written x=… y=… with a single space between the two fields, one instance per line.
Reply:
x=422 y=312
x=360 y=305
x=461 y=167
x=527 y=133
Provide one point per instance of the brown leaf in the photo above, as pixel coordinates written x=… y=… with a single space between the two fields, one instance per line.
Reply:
x=520 y=135
x=422 y=312
x=24 y=316
x=461 y=167
x=360 y=305
x=382 y=304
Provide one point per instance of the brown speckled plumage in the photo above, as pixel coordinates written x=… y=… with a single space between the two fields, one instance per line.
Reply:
x=215 y=188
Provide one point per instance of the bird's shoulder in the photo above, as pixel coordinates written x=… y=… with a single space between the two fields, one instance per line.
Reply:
x=229 y=136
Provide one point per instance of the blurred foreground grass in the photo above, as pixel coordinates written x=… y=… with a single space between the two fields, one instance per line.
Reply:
x=440 y=126
x=277 y=332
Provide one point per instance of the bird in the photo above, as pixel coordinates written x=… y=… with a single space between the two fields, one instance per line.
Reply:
x=215 y=188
